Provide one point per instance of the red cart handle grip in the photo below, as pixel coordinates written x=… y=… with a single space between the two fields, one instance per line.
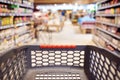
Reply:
x=57 y=46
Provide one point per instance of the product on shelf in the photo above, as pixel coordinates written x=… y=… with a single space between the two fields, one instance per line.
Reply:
x=118 y=20
x=22 y=10
x=13 y=13
x=21 y=19
x=9 y=32
x=108 y=25
x=2 y=35
x=109 y=2
x=104 y=19
x=110 y=47
x=113 y=29
x=102 y=42
x=6 y=21
x=6 y=39
x=28 y=2
x=6 y=33
x=21 y=40
x=24 y=34
x=4 y=8
x=116 y=42
x=110 y=11
x=21 y=30
x=11 y=8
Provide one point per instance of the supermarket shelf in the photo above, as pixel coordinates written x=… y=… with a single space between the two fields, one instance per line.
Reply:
x=23 y=24
x=109 y=33
x=107 y=15
x=110 y=6
x=15 y=46
x=6 y=27
x=23 y=14
x=109 y=42
x=9 y=37
x=6 y=46
x=24 y=40
x=21 y=34
x=102 y=1
x=15 y=14
x=28 y=39
x=6 y=38
x=99 y=45
x=32 y=42
x=110 y=24
x=12 y=26
x=22 y=5
x=101 y=37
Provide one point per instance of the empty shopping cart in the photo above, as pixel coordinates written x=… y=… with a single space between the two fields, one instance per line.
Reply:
x=59 y=63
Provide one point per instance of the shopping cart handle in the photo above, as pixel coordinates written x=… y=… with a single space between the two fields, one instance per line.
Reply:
x=57 y=46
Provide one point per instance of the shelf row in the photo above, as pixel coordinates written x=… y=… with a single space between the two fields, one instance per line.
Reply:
x=12 y=26
x=105 y=40
x=109 y=33
x=110 y=24
x=96 y=40
x=102 y=1
x=16 y=36
x=15 y=14
x=16 y=26
x=110 y=6
x=28 y=41
x=19 y=4
x=109 y=42
x=18 y=31
x=108 y=15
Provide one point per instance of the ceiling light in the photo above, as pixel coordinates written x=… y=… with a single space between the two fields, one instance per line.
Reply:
x=76 y=4
x=64 y=4
x=70 y=4
x=55 y=4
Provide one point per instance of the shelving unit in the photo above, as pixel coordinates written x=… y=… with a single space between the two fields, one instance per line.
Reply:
x=109 y=24
x=17 y=3
x=107 y=32
x=14 y=14
x=23 y=24
x=107 y=15
x=16 y=26
x=110 y=6
x=6 y=27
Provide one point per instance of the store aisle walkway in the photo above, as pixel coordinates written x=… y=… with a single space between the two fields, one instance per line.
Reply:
x=69 y=35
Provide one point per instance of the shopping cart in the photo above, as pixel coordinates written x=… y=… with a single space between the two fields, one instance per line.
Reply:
x=59 y=63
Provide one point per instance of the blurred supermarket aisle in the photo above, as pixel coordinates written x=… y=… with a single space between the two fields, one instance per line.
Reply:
x=70 y=35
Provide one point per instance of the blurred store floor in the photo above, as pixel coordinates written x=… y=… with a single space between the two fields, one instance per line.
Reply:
x=69 y=35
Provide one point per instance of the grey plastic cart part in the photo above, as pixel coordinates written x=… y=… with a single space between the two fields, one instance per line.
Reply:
x=37 y=63
x=56 y=73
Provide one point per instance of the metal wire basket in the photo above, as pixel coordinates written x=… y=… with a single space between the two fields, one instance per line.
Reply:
x=59 y=63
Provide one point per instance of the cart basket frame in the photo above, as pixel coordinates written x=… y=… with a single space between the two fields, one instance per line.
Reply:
x=98 y=63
